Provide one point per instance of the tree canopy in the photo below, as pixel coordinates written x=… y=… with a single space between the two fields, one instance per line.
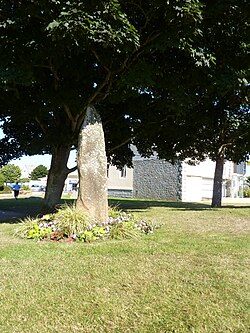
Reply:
x=214 y=120
x=61 y=57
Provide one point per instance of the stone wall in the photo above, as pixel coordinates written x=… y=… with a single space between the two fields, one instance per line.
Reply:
x=157 y=179
x=120 y=193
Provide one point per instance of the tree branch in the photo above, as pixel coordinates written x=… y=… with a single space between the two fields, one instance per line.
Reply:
x=43 y=127
x=143 y=13
x=106 y=82
x=73 y=120
x=129 y=61
x=71 y=169
x=120 y=145
x=53 y=71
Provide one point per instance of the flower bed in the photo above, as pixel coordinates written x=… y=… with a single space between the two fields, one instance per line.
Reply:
x=68 y=224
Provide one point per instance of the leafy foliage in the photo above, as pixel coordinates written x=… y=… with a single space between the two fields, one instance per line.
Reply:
x=248 y=180
x=101 y=23
x=67 y=55
x=246 y=193
x=1 y=181
x=26 y=188
x=24 y=180
x=39 y=172
x=5 y=190
x=11 y=173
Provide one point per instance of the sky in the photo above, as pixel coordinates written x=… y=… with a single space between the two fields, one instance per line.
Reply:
x=42 y=159
x=32 y=160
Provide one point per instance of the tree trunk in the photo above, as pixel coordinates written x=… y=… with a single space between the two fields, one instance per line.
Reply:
x=57 y=174
x=92 y=168
x=218 y=177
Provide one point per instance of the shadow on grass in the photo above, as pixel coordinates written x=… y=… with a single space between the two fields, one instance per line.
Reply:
x=144 y=204
x=173 y=205
x=13 y=210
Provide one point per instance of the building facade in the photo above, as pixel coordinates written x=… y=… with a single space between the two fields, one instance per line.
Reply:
x=155 y=179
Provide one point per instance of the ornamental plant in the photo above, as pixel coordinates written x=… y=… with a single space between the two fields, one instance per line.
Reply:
x=69 y=224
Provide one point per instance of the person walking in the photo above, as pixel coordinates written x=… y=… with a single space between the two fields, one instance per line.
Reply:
x=16 y=189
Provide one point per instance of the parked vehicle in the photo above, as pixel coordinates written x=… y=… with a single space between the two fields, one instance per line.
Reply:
x=37 y=188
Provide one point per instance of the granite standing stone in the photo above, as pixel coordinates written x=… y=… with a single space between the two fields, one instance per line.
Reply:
x=92 y=168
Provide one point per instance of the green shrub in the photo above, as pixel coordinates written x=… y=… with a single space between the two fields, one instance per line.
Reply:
x=246 y=193
x=24 y=180
x=1 y=181
x=26 y=188
x=27 y=227
x=6 y=190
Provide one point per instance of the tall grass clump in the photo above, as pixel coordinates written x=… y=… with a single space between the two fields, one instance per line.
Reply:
x=72 y=220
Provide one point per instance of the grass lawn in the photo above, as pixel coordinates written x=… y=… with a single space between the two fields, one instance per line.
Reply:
x=191 y=275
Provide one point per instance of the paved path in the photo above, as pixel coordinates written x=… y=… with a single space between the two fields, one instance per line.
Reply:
x=245 y=201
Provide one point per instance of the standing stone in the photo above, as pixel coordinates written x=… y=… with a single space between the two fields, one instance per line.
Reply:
x=92 y=168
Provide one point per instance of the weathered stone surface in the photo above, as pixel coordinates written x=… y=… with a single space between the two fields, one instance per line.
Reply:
x=157 y=179
x=92 y=168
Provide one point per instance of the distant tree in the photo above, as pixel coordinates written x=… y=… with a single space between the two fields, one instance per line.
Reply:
x=11 y=173
x=39 y=172
x=1 y=181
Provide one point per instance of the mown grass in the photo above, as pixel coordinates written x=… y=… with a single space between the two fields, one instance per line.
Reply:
x=191 y=275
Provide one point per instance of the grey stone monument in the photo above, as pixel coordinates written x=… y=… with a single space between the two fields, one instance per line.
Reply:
x=92 y=168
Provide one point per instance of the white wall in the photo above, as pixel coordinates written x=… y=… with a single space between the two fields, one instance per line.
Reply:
x=247 y=169
x=206 y=169
x=115 y=181
x=197 y=181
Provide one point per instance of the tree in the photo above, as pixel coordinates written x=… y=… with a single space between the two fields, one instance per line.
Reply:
x=225 y=94
x=228 y=90
x=11 y=173
x=214 y=119
x=1 y=182
x=62 y=57
x=39 y=172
